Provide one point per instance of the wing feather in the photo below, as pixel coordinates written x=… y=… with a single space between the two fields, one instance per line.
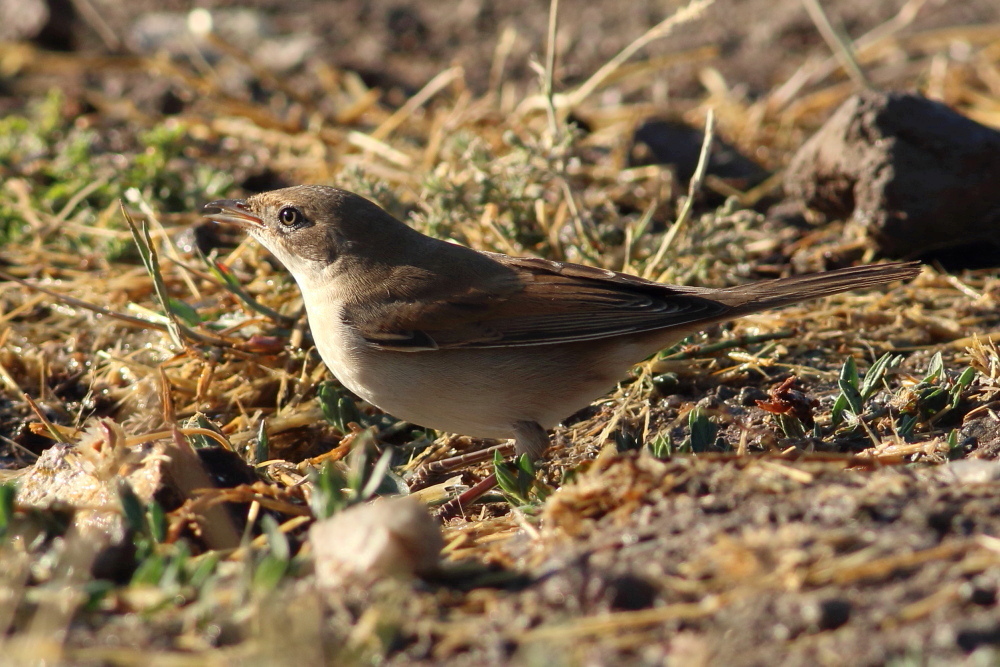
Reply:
x=532 y=302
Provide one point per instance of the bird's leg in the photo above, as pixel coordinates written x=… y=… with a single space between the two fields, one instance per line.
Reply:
x=529 y=438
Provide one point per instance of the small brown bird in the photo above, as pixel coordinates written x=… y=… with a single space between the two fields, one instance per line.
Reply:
x=480 y=343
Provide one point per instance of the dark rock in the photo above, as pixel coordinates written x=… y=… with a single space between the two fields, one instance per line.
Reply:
x=983 y=435
x=265 y=180
x=827 y=614
x=674 y=143
x=631 y=592
x=918 y=175
x=406 y=28
x=970 y=640
x=225 y=468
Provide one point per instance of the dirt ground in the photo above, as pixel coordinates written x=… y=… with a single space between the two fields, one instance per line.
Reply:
x=705 y=512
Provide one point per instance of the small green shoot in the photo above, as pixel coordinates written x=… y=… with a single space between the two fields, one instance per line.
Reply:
x=338 y=408
x=515 y=480
x=199 y=441
x=262 y=448
x=328 y=496
x=662 y=446
x=224 y=275
x=935 y=395
x=7 y=493
x=703 y=431
x=625 y=441
x=182 y=310
x=849 y=400
x=156 y=520
x=272 y=568
x=333 y=489
x=960 y=385
x=132 y=509
x=854 y=392
x=952 y=440
x=791 y=426
x=203 y=569
x=150 y=260
x=159 y=564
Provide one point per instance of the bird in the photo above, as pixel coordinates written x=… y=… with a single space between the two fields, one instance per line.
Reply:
x=480 y=343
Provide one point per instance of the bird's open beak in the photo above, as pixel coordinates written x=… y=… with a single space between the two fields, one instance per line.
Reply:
x=233 y=211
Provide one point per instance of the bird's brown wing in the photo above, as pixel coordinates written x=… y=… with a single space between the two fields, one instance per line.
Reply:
x=530 y=302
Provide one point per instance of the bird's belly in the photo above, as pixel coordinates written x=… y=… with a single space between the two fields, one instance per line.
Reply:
x=479 y=392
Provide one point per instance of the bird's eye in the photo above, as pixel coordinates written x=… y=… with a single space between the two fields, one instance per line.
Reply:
x=290 y=216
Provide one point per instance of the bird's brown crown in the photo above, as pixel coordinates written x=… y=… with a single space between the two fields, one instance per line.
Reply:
x=319 y=223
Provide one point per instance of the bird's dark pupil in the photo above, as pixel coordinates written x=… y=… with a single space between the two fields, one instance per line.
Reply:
x=289 y=215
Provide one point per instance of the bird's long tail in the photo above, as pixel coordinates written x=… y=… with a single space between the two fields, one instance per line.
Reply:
x=783 y=291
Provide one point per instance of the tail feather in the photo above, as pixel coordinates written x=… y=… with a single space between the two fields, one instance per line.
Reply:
x=783 y=291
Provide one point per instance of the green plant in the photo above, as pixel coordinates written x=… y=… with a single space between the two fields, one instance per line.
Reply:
x=855 y=392
x=517 y=480
x=703 y=432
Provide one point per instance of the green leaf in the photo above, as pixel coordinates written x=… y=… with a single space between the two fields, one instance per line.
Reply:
x=953 y=440
x=848 y=383
x=327 y=496
x=277 y=541
x=7 y=493
x=262 y=449
x=849 y=372
x=703 y=431
x=132 y=509
x=506 y=478
x=875 y=374
x=185 y=312
x=147 y=253
x=199 y=441
x=204 y=568
x=157 y=521
x=229 y=281
x=150 y=571
x=932 y=399
x=961 y=384
x=525 y=476
x=377 y=477
x=662 y=446
x=906 y=425
x=338 y=409
x=840 y=406
x=269 y=573
x=935 y=369
x=791 y=426
x=175 y=567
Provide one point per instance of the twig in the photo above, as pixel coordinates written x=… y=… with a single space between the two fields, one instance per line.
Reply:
x=693 y=188
x=662 y=29
x=152 y=263
x=814 y=72
x=550 y=66
x=695 y=351
x=79 y=303
x=837 y=43
x=193 y=336
x=504 y=46
x=433 y=87
x=49 y=426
